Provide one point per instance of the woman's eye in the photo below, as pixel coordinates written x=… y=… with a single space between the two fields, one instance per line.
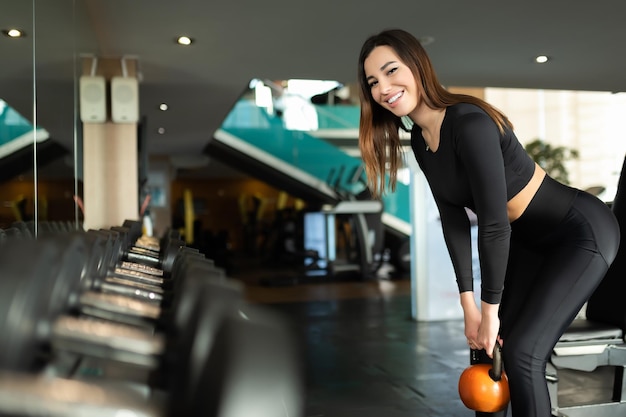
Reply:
x=373 y=84
x=392 y=70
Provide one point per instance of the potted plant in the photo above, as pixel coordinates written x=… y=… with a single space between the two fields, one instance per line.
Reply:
x=552 y=158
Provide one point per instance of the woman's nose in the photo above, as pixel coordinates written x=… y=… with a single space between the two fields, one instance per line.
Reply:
x=385 y=87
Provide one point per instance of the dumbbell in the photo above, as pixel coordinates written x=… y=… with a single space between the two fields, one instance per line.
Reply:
x=53 y=227
x=97 y=304
x=13 y=233
x=159 y=259
x=107 y=275
x=143 y=266
x=20 y=306
x=170 y=354
x=244 y=365
x=72 y=285
x=169 y=288
x=198 y=339
x=213 y=326
x=167 y=319
x=26 y=228
x=145 y=348
x=90 y=253
x=44 y=293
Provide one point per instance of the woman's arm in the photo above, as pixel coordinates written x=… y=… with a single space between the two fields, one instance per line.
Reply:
x=472 y=318
x=479 y=149
x=456 y=233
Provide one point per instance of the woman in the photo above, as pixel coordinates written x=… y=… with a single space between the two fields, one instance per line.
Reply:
x=543 y=246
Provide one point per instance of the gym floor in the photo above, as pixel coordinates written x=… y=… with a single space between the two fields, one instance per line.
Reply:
x=364 y=355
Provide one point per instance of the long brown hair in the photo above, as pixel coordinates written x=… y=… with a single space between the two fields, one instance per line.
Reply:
x=379 y=139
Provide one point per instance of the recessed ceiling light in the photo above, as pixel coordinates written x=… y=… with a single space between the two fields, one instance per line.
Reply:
x=14 y=33
x=541 y=59
x=163 y=107
x=184 y=40
x=161 y=130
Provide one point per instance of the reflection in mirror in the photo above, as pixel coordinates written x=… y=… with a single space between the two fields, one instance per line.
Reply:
x=18 y=133
x=56 y=64
x=38 y=119
x=17 y=137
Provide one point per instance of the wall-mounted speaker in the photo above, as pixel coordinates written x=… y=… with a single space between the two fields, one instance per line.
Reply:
x=124 y=100
x=93 y=99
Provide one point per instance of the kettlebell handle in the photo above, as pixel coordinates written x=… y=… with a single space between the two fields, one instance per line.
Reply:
x=496 y=370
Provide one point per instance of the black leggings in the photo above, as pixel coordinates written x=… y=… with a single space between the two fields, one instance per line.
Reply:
x=561 y=248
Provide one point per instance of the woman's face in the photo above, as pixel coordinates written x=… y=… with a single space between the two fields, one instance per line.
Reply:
x=391 y=82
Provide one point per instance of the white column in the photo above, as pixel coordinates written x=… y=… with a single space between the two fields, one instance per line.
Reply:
x=110 y=154
x=434 y=291
x=110 y=187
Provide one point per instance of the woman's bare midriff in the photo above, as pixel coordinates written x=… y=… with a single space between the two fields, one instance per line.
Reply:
x=516 y=206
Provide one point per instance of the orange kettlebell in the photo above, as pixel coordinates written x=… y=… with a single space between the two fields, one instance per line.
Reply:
x=483 y=387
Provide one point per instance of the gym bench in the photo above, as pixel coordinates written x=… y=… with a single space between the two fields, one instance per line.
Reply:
x=585 y=346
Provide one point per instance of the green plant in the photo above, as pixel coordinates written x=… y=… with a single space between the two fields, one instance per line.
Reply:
x=552 y=158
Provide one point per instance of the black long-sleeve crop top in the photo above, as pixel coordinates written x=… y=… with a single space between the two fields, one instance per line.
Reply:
x=475 y=167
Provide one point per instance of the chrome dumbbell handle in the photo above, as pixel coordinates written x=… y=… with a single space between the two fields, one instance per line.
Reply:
x=39 y=396
x=102 y=339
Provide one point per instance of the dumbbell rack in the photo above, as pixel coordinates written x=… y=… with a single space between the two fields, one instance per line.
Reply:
x=106 y=322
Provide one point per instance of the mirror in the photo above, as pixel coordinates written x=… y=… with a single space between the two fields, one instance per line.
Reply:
x=17 y=136
x=41 y=176
x=58 y=169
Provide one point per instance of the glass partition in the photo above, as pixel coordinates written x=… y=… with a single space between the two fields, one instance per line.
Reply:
x=59 y=41
x=18 y=135
x=38 y=137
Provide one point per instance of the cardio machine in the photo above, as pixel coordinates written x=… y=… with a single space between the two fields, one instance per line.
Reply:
x=352 y=227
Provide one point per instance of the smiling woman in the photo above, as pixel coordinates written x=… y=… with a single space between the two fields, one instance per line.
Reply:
x=472 y=159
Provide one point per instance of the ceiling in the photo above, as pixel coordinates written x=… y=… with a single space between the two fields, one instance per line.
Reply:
x=480 y=43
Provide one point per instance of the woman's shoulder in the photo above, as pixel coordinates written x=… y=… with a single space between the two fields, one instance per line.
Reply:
x=465 y=120
x=462 y=109
x=462 y=115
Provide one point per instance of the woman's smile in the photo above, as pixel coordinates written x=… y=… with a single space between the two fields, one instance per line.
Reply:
x=395 y=97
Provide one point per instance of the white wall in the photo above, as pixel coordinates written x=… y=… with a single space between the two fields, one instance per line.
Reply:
x=591 y=122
